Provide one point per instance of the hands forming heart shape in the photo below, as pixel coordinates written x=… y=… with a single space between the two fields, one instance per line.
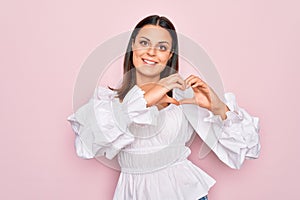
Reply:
x=204 y=96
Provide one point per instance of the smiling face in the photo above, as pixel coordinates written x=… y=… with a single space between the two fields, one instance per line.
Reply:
x=151 y=52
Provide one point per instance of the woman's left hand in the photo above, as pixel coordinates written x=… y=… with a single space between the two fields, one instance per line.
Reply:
x=204 y=96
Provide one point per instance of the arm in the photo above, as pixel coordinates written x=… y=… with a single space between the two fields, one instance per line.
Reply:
x=97 y=133
x=101 y=125
x=226 y=128
x=156 y=93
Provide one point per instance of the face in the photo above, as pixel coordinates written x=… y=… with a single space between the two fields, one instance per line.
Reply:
x=151 y=52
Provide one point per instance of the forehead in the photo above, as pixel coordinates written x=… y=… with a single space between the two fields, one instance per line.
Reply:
x=155 y=33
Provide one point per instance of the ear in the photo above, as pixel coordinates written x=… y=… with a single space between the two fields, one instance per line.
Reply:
x=171 y=54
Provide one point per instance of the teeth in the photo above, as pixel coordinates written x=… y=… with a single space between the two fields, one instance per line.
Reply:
x=149 y=62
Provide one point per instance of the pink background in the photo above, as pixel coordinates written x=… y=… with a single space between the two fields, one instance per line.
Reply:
x=254 y=45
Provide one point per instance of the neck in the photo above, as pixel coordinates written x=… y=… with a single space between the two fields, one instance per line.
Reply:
x=141 y=80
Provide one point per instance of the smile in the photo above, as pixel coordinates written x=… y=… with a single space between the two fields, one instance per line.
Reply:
x=149 y=62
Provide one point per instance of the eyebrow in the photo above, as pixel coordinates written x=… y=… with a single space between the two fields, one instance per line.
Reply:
x=158 y=42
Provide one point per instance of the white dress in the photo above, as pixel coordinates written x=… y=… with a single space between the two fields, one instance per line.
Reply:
x=150 y=144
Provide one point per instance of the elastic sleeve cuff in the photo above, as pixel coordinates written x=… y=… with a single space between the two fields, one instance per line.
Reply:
x=234 y=115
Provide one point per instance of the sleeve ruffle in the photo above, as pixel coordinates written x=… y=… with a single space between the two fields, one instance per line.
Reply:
x=135 y=105
x=101 y=125
x=97 y=132
x=237 y=135
x=234 y=139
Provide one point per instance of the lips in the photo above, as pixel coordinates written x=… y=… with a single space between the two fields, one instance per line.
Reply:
x=149 y=62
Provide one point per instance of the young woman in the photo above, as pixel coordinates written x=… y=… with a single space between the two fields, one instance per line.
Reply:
x=146 y=125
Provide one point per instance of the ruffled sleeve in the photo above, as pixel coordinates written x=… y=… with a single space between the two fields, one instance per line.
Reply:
x=101 y=125
x=234 y=139
x=135 y=105
x=96 y=129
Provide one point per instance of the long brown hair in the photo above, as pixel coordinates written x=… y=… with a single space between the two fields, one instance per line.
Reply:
x=129 y=75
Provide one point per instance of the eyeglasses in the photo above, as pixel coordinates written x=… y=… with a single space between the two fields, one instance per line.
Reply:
x=142 y=43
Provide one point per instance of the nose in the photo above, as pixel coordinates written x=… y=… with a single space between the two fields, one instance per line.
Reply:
x=151 y=51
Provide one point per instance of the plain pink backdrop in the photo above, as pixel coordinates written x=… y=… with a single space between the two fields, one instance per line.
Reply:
x=254 y=45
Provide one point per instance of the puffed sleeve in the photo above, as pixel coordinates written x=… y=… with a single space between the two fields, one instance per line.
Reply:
x=135 y=105
x=101 y=125
x=234 y=139
x=97 y=132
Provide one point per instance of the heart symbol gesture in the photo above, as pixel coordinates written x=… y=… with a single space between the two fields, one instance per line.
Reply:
x=204 y=96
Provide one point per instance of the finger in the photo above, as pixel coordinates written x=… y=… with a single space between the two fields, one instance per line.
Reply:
x=188 y=79
x=192 y=76
x=170 y=79
x=192 y=81
x=181 y=82
x=169 y=82
x=175 y=80
x=167 y=99
x=188 y=101
x=171 y=100
x=176 y=85
x=179 y=79
x=197 y=82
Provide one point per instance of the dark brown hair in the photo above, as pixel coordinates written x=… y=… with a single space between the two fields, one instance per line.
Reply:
x=129 y=78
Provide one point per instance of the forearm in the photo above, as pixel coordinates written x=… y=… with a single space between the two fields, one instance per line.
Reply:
x=221 y=110
x=154 y=94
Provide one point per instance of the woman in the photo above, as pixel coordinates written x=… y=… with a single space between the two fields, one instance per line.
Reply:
x=148 y=120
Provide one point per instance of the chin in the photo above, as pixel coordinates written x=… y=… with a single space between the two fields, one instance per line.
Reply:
x=150 y=71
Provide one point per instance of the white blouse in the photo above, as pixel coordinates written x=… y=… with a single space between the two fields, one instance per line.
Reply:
x=151 y=144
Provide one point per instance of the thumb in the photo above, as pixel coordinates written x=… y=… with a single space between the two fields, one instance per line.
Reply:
x=172 y=100
x=167 y=99
x=187 y=101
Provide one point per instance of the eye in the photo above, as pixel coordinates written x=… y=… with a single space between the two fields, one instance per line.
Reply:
x=144 y=43
x=162 y=47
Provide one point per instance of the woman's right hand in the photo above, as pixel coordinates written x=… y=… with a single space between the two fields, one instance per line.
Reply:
x=156 y=93
x=172 y=81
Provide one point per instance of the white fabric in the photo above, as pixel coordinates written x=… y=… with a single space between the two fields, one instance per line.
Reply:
x=150 y=144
